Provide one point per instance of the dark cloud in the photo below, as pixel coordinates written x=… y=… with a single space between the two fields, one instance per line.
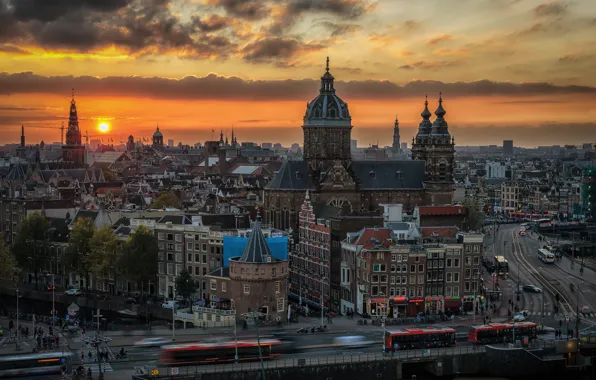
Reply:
x=13 y=50
x=338 y=30
x=51 y=10
x=294 y=9
x=550 y=10
x=439 y=39
x=575 y=58
x=234 y=88
x=212 y=23
x=276 y=49
x=23 y=109
x=247 y=9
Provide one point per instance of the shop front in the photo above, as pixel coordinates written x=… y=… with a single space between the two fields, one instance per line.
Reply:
x=469 y=303
x=434 y=304
x=453 y=304
x=415 y=306
x=398 y=306
x=378 y=307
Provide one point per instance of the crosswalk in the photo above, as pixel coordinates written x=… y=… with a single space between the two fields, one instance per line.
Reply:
x=105 y=367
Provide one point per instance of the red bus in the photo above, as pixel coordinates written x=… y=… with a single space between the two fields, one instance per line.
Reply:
x=225 y=352
x=501 y=332
x=425 y=337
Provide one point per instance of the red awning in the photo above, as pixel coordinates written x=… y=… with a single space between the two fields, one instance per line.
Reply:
x=378 y=300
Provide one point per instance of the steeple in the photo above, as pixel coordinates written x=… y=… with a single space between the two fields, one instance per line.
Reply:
x=256 y=250
x=439 y=126
x=22 y=136
x=424 y=128
x=395 y=145
x=233 y=138
x=227 y=142
x=221 y=137
x=327 y=81
x=73 y=134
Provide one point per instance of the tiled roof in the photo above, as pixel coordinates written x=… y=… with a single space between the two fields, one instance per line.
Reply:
x=256 y=250
x=439 y=231
x=443 y=210
x=371 y=238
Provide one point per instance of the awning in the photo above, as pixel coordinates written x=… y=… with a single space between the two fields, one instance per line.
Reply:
x=378 y=300
x=399 y=299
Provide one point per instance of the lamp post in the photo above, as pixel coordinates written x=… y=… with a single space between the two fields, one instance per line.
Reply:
x=18 y=329
x=235 y=332
x=174 y=315
x=255 y=316
x=53 y=300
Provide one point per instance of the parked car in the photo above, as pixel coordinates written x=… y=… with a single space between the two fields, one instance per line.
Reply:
x=73 y=292
x=532 y=289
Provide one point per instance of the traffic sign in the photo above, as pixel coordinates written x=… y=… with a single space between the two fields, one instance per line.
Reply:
x=174 y=371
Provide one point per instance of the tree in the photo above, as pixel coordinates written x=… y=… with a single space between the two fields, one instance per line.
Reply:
x=475 y=215
x=8 y=269
x=79 y=247
x=30 y=248
x=185 y=285
x=139 y=256
x=103 y=249
x=165 y=200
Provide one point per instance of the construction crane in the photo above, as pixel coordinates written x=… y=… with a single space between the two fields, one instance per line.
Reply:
x=46 y=127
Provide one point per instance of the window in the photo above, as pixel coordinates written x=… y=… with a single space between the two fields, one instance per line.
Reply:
x=393 y=280
x=197 y=258
x=476 y=260
x=466 y=286
x=412 y=268
x=384 y=278
x=392 y=292
x=178 y=238
x=420 y=293
x=189 y=258
x=468 y=248
x=404 y=268
x=379 y=267
x=455 y=277
x=204 y=259
x=160 y=236
x=476 y=249
x=197 y=271
x=393 y=257
x=467 y=261
x=412 y=279
x=456 y=263
x=214 y=285
x=448 y=263
x=404 y=280
x=246 y=289
x=411 y=292
x=467 y=273
x=374 y=290
x=375 y=278
x=393 y=268
x=448 y=291
x=189 y=246
x=170 y=237
x=189 y=270
x=277 y=287
x=456 y=291
x=224 y=286
x=280 y=304
x=448 y=277
x=380 y=255
x=273 y=271
x=204 y=247
x=420 y=267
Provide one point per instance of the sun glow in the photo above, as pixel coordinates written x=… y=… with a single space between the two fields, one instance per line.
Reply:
x=104 y=127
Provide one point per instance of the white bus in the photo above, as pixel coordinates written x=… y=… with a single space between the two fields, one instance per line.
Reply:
x=546 y=256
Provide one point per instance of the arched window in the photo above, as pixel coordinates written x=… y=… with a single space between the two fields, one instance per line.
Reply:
x=332 y=112
x=317 y=112
x=443 y=170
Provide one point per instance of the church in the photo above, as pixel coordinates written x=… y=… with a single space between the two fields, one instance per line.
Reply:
x=330 y=176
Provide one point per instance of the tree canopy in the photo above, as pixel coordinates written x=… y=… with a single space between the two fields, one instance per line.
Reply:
x=475 y=215
x=103 y=250
x=139 y=256
x=185 y=285
x=30 y=248
x=165 y=200
x=8 y=269
x=79 y=246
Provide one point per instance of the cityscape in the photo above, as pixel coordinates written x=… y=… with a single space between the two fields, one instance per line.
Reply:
x=159 y=225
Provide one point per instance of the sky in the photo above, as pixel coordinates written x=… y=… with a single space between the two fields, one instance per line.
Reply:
x=507 y=69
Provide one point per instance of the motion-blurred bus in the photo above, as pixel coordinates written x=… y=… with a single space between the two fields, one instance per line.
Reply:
x=413 y=338
x=47 y=363
x=501 y=332
x=546 y=256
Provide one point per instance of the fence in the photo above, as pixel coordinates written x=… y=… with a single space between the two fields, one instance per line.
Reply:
x=303 y=361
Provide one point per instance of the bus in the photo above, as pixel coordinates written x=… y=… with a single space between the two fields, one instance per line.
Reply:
x=47 y=363
x=223 y=352
x=501 y=265
x=413 y=338
x=546 y=256
x=501 y=332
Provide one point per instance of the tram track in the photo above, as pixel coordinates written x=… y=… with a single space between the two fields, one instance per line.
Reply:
x=565 y=302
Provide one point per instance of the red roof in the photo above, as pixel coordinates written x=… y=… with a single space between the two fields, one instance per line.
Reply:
x=439 y=231
x=443 y=210
x=372 y=237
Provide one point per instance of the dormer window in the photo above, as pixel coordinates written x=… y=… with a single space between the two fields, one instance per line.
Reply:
x=298 y=175
x=399 y=174
x=372 y=174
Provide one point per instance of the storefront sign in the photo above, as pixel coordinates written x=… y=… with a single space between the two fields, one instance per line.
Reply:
x=416 y=300
x=378 y=300
x=454 y=298
x=436 y=298
x=400 y=299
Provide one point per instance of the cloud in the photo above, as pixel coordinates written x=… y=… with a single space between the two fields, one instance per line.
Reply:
x=15 y=108
x=338 y=30
x=13 y=50
x=429 y=65
x=550 y=9
x=247 y=9
x=213 y=87
x=440 y=39
x=576 y=58
x=212 y=23
x=276 y=49
x=44 y=10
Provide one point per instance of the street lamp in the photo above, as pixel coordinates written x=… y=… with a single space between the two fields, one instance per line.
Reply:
x=255 y=316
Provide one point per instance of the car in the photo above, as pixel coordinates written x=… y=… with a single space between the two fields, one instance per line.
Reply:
x=519 y=317
x=585 y=310
x=152 y=342
x=73 y=292
x=532 y=289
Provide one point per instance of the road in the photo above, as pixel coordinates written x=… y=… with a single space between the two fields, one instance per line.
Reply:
x=526 y=269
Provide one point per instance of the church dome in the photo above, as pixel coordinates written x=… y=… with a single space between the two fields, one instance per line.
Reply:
x=157 y=133
x=327 y=107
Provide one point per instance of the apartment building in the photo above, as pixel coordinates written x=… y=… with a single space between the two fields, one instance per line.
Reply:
x=473 y=250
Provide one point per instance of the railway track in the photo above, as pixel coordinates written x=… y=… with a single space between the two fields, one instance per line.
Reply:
x=565 y=302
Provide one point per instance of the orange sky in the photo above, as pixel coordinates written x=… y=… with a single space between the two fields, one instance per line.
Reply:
x=508 y=68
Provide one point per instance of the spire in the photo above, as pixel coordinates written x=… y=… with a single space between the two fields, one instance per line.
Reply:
x=396 y=141
x=440 y=112
x=23 y=136
x=256 y=250
x=327 y=81
x=424 y=128
x=73 y=134
x=157 y=129
x=439 y=126
x=233 y=137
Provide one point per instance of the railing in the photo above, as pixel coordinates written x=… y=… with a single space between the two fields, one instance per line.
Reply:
x=208 y=310
x=304 y=361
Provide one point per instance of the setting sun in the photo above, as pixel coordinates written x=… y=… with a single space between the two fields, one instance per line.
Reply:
x=104 y=127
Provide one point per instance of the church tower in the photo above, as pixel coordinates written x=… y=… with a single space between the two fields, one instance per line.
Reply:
x=157 y=139
x=327 y=127
x=434 y=145
x=395 y=147
x=73 y=151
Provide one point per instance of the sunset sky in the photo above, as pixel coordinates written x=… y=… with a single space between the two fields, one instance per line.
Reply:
x=508 y=69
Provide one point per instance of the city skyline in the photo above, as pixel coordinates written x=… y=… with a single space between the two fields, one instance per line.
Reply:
x=197 y=65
